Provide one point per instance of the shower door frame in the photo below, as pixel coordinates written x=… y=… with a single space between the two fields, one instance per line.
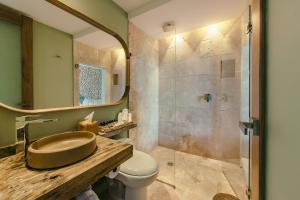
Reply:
x=257 y=109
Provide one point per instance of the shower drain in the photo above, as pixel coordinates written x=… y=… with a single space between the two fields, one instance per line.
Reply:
x=170 y=164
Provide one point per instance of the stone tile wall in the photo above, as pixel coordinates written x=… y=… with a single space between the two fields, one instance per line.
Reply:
x=189 y=67
x=143 y=98
x=169 y=76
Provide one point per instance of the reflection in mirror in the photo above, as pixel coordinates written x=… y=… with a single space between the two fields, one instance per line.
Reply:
x=98 y=57
x=10 y=65
x=73 y=62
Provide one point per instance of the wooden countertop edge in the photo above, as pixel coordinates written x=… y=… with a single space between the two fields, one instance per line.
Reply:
x=78 y=184
x=62 y=183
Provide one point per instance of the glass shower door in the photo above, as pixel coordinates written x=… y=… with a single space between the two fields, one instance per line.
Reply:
x=165 y=151
x=245 y=95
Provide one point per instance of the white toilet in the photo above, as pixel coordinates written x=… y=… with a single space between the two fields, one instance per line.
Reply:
x=136 y=174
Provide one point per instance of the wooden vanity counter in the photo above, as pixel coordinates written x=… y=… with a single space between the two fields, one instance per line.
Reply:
x=19 y=182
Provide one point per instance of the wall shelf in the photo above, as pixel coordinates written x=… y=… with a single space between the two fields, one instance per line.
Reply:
x=110 y=131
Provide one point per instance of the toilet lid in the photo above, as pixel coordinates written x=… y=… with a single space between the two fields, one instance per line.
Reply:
x=140 y=164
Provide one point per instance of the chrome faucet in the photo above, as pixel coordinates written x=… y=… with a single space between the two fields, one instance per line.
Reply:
x=24 y=122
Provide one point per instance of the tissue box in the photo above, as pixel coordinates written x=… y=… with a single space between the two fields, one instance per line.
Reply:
x=87 y=125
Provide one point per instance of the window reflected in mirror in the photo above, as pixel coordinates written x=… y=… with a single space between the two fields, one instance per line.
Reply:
x=73 y=62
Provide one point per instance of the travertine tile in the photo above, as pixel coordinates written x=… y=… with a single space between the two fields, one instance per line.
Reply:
x=168 y=133
x=166 y=43
x=235 y=175
x=144 y=89
x=201 y=126
x=167 y=58
x=195 y=65
x=163 y=156
x=161 y=191
x=167 y=92
x=167 y=113
x=167 y=71
x=183 y=49
x=194 y=177
x=190 y=90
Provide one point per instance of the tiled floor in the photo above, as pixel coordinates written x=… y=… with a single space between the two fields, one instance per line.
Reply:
x=195 y=177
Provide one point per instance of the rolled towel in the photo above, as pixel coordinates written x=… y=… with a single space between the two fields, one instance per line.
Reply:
x=88 y=194
x=114 y=173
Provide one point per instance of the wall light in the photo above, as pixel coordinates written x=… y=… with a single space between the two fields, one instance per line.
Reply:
x=213 y=30
x=179 y=38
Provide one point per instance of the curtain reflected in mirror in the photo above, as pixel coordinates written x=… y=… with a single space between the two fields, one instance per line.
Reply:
x=98 y=68
x=91 y=85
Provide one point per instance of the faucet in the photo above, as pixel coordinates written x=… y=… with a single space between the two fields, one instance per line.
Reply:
x=24 y=121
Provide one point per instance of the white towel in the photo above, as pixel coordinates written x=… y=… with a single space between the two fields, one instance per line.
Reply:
x=89 y=194
x=113 y=174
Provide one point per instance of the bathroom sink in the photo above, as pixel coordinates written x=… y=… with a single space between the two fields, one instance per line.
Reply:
x=61 y=149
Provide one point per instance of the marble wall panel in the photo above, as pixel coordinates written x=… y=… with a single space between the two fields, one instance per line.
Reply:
x=190 y=66
x=167 y=134
x=144 y=89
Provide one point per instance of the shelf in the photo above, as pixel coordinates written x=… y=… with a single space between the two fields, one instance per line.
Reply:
x=112 y=131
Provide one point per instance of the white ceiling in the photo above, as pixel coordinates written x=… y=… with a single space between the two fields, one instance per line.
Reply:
x=48 y=14
x=187 y=14
x=95 y=38
x=129 y=5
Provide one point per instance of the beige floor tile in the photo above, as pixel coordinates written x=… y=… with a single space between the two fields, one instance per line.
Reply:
x=194 y=177
x=164 y=156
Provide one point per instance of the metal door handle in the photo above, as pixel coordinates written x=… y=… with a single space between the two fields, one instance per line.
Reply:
x=253 y=124
x=244 y=126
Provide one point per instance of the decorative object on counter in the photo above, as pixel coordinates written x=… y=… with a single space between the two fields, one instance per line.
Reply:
x=88 y=124
x=124 y=116
x=129 y=117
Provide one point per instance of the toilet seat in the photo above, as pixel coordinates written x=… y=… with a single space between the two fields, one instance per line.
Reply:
x=140 y=164
x=139 y=171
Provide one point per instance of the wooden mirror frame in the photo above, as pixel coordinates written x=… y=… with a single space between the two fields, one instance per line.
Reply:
x=15 y=17
x=25 y=23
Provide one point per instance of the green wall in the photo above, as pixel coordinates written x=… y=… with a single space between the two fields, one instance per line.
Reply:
x=10 y=65
x=52 y=75
x=283 y=100
x=104 y=11
x=109 y=15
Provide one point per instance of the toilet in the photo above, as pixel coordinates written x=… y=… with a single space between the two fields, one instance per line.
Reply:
x=136 y=174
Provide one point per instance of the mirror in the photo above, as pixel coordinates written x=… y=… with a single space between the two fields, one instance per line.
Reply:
x=73 y=62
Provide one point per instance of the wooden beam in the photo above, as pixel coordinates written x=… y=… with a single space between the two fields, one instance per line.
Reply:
x=10 y=15
x=27 y=62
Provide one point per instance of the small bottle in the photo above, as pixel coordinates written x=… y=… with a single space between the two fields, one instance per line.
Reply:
x=129 y=117
x=120 y=117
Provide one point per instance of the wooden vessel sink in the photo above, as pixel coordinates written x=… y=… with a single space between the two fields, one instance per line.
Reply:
x=61 y=149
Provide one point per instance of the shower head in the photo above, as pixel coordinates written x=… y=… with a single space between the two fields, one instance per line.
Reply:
x=169 y=26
